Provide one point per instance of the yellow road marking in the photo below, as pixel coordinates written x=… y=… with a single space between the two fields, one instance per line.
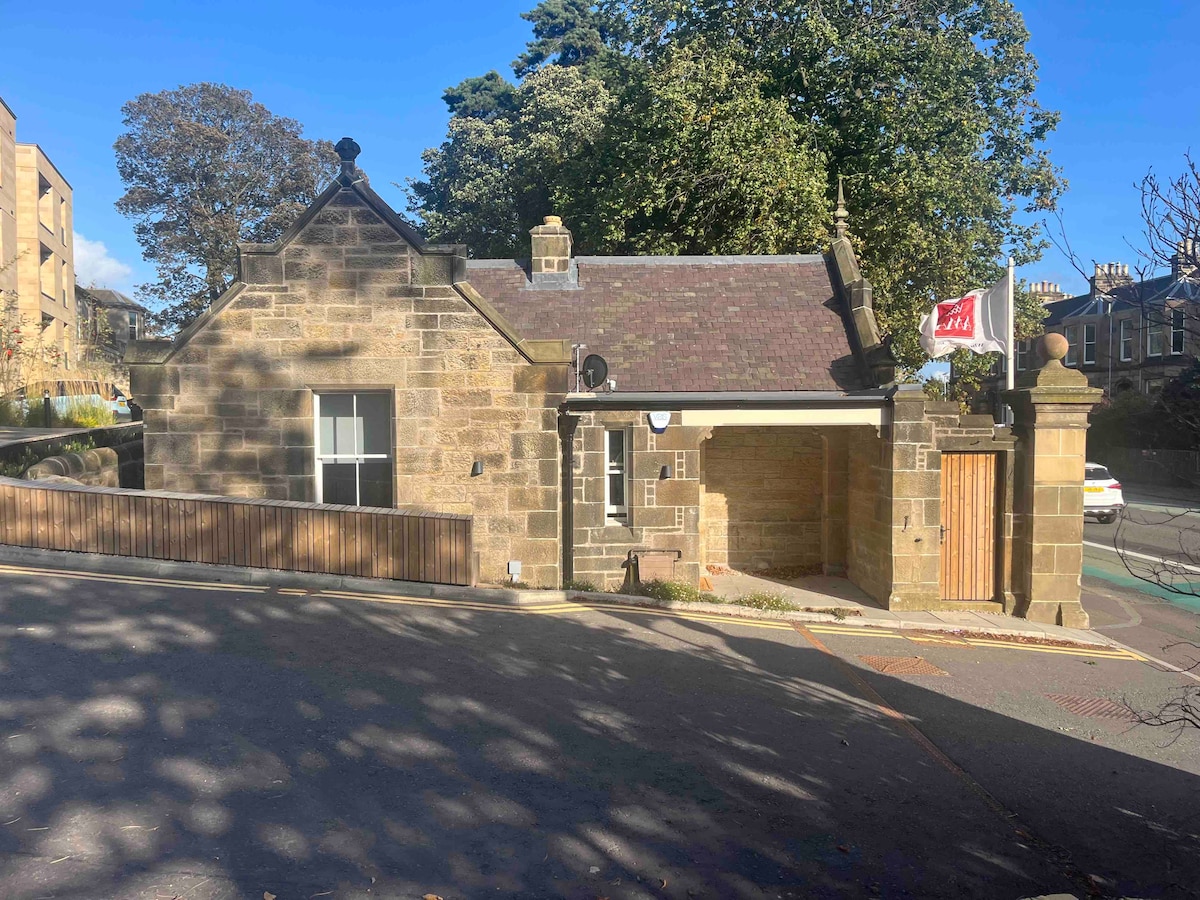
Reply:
x=559 y=607
x=132 y=580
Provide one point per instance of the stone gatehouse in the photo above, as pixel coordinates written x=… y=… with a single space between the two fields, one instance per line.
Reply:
x=749 y=418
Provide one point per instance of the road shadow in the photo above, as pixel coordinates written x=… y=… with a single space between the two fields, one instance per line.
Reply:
x=159 y=743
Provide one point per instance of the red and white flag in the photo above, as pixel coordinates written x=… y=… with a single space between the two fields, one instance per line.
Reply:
x=978 y=321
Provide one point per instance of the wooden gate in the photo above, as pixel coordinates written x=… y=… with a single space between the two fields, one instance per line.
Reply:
x=968 y=566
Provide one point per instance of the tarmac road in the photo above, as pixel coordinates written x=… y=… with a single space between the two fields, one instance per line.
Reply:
x=170 y=739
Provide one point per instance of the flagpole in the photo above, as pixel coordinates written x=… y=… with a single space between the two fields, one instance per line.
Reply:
x=1010 y=349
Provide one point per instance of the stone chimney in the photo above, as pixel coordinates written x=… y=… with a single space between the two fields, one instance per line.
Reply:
x=1047 y=291
x=1183 y=260
x=1108 y=276
x=550 y=259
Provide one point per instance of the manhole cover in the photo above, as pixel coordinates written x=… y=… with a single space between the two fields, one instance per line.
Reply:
x=1091 y=707
x=902 y=665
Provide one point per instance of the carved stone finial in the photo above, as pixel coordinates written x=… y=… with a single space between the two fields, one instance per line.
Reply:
x=348 y=150
x=1053 y=346
x=841 y=216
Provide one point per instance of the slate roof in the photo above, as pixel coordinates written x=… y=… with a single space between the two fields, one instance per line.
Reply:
x=1126 y=297
x=699 y=323
x=110 y=299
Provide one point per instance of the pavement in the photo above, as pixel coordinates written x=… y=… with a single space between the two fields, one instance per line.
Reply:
x=820 y=592
x=168 y=738
x=19 y=435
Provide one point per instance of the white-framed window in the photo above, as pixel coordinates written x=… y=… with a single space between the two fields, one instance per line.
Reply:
x=1126 y=336
x=1177 y=333
x=354 y=447
x=1022 y=355
x=616 y=475
x=1154 y=338
x=1089 y=345
x=1071 y=332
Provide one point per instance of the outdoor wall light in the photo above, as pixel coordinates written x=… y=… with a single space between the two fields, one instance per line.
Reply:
x=476 y=468
x=667 y=472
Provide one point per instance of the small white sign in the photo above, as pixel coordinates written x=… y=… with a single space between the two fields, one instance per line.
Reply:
x=659 y=421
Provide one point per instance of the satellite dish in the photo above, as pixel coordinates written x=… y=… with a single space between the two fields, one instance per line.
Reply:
x=595 y=371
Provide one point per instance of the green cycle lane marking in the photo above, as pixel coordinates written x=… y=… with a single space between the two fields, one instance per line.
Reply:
x=1124 y=579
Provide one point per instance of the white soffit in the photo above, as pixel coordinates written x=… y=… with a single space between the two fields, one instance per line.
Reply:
x=850 y=415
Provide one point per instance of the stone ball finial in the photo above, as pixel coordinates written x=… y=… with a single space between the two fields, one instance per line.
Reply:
x=347 y=149
x=1052 y=346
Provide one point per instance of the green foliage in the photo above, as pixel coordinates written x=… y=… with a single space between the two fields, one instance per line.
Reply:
x=567 y=33
x=1169 y=422
x=85 y=412
x=495 y=178
x=205 y=167
x=580 y=584
x=695 y=159
x=766 y=600
x=1179 y=406
x=14 y=466
x=10 y=413
x=732 y=122
x=482 y=97
x=668 y=591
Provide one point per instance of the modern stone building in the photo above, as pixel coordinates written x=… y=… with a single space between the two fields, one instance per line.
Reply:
x=748 y=418
x=37 y=240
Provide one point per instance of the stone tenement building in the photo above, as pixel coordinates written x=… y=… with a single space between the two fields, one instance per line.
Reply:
x=1124 y=335
x=748 y=417
x=36 y=239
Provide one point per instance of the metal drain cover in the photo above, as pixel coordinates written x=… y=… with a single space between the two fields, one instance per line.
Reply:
x=902 y=665
x=1091 y=707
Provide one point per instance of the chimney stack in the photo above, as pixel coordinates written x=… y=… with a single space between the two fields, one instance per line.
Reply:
x=1184 y=260
x=550 y=260
x=1108 y=276
x=1047 y=291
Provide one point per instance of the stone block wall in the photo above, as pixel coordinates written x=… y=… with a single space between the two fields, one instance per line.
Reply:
x=664 y=514
x=868 y=544
x=349 y=305
x=763 y=498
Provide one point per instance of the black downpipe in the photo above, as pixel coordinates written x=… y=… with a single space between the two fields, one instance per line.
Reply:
x=566 y=433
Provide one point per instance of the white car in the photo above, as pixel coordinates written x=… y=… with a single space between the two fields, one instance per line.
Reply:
x=1102 y=498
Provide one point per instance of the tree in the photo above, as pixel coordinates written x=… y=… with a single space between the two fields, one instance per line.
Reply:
x=481 y=97
x=206 y=167
x=569 y=33
x=928 y=109
x=496 y=176
x=1171 y=216
x=695 y=159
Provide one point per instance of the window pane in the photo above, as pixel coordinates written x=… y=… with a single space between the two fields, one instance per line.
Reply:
x=337 y=485
x=375 y=423
x=616 y=489
x=337 y=425
x=616 y=449
x=375 y=483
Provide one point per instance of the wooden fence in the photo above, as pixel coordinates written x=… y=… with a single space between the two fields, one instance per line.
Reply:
x=266 y=534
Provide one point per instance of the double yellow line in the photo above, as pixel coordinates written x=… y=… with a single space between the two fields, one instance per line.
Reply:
x=564 y=607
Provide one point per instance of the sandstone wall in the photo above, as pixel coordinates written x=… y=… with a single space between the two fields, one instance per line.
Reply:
x=763 y=497
x=663 y=514
x=348 y=305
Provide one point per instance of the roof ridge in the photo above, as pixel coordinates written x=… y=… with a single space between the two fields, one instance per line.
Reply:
x=665 y=260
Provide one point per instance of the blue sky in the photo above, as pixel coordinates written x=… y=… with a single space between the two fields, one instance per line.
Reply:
x=1122 y=74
